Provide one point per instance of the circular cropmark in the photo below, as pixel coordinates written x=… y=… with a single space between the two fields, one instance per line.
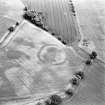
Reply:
x=52 y=54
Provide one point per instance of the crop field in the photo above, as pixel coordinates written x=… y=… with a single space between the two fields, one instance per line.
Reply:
x=59 y=17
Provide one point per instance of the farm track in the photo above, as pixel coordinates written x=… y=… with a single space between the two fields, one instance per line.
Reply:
x=91 y=92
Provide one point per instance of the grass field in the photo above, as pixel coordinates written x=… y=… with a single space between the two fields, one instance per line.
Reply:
x=91 y=14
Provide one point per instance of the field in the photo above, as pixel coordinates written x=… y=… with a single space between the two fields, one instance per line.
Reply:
x=60 y=20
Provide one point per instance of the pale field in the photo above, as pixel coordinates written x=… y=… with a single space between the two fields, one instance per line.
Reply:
x=11 y=59
x=91 y=15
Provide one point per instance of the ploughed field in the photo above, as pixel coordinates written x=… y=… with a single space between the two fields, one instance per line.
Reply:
x=58 y=17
